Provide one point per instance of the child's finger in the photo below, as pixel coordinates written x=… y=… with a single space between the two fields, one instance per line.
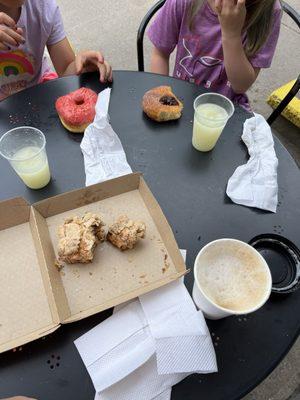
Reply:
x=102 y=71
x=19 y=31
x=15 y=35
x=218 y=5
x=78 y=64
x=100 y=57
x=3 y=47
x=93 y=55
x=241 y=4
x=228 y=4
x=7 y=20
x=106 y=71
x=5 y=38
x=109 y=72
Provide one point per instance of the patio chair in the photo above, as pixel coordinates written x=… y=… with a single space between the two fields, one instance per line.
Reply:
x=286 y=8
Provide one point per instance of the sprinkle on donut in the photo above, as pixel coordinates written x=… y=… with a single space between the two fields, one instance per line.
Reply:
x=76 y=110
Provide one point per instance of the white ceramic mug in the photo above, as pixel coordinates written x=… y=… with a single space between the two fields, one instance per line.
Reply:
x=212 y=310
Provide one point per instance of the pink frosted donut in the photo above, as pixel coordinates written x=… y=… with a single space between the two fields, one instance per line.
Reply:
x=76 y=110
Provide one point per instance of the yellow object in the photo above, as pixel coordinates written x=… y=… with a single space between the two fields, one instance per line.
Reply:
x=209 y=121
x=292 y=111
x=34 y=170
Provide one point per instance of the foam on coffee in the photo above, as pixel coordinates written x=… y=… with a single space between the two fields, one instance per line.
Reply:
x=233 y=278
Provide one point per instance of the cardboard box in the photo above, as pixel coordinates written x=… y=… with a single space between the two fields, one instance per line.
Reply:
x=36 y=298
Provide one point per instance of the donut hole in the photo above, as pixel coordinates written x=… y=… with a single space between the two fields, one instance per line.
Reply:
x=79 y=100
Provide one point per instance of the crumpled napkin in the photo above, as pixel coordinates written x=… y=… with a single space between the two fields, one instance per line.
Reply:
x=104 y=156
x=147 y=346
x=255 y=184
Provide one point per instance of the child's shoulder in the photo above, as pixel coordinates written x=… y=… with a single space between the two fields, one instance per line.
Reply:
x=46 y=8
x=180 y=6
x=179 y=3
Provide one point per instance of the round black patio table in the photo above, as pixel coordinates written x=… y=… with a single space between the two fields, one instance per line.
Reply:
x=190 y=187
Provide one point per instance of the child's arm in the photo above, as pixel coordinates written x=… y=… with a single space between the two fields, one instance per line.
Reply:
x=159 y=62
x=241 y=74
x=232 y=15
x=67 y=63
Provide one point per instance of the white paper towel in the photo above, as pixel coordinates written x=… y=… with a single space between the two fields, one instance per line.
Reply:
x=162 y=396
x=144 y=383
x=182 y=340
x=104 y=156
x=255 y=183
x=126 y=362
x=116 y=347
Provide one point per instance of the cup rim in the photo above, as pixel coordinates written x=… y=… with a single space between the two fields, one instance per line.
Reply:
x=259 y=256
x=216 y=95
x=19 y=128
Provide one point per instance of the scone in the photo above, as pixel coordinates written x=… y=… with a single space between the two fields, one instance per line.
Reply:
x=161 y=104
x=78 y=237
x=125 y=233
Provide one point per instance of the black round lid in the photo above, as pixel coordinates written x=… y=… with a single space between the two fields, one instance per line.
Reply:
x=283 y=259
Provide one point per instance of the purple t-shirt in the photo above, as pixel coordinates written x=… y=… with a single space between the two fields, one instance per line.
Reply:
x=25 y=65
x=199 y=57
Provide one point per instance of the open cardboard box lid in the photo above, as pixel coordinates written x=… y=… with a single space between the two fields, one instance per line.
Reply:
x=27 y=309
x=36 y=298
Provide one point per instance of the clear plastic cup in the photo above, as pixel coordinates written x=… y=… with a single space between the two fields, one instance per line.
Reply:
x=25 y=149
x=212 y=112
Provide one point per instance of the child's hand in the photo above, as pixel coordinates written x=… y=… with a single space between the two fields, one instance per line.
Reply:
x=232 y=17
x=89 y=61
x=10 y=34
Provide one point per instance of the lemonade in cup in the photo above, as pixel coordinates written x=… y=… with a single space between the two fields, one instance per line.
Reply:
x=212 y=112
x=25 y=149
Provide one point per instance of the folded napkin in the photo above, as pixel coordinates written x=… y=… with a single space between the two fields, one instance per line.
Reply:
x=116 y=347
x=104 y=156
x=182 y=340
x=147 y=346
x=255 y=184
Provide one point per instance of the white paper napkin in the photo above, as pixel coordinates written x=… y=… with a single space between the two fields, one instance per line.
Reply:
x=104 y=156
x=144 y=383
x=116 y=347
x=140 y=355
x=119 y=355
x=255 y=183
x=182 y=340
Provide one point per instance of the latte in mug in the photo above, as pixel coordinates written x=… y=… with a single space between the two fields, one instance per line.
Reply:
x=232 y=276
